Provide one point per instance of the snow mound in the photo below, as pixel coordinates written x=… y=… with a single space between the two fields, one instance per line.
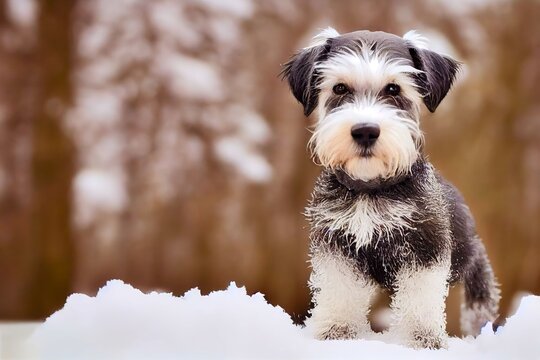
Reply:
x=121 y=322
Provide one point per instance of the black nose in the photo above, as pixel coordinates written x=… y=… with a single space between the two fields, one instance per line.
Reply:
x=365 y=134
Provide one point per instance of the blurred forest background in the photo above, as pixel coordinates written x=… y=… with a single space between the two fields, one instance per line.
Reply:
x=152 y=141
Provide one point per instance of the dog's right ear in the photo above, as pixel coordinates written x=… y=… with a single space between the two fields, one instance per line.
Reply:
x=300 y=70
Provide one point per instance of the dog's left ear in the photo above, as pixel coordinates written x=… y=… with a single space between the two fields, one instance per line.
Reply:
x=437 y=75
x=300 y=70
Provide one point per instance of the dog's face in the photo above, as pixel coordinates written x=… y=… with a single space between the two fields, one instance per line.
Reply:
x=367 y=89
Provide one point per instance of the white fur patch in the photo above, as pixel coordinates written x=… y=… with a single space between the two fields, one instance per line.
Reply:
x=367 y=217
x=419 y=305
x=322 y=37
x=341 y=297
x=416 y=39
x=366 y=72
x=366 y=69
x=393 y=154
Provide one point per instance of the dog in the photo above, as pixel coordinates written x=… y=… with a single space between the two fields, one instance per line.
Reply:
x=381 y=216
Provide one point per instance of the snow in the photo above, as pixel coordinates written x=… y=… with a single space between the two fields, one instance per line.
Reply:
x=252 y=126
x=169 y=19
x=236 y=153
x=461 y=8
x=22 y=12
x=97 y=191
x=239 y=147
x=136 y=57
x=236 y=8
x=190 y=78
x=121 y=322
x=12 y=334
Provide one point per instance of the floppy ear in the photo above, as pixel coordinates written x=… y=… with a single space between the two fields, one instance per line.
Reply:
x=302 y=77
x=437 y=76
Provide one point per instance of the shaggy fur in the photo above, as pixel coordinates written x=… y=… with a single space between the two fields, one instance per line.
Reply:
x=381 y=216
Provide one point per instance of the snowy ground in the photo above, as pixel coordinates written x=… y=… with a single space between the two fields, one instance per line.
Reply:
x=123 y=323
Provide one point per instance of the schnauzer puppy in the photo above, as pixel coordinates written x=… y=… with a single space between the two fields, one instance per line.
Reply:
x=381 y=216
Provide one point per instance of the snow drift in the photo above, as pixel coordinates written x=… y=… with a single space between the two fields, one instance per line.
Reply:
x=122 y=322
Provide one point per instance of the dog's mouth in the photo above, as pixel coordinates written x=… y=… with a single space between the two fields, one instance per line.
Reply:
x=366 y=152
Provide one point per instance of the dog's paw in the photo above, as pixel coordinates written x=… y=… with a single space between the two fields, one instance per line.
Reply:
x=429 y=339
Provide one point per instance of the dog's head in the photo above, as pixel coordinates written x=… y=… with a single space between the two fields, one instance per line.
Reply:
x=367 y=89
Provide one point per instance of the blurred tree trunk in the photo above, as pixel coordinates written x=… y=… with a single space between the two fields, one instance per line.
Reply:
x=18 y=96
x=52 y=163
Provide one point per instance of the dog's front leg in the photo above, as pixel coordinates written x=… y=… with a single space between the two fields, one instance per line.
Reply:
x=419 y=306
x=341 y=296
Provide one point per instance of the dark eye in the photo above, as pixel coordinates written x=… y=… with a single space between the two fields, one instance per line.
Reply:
x=392 y=89
x=340 y=89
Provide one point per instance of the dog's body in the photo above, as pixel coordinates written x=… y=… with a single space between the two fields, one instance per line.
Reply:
x=381 y=216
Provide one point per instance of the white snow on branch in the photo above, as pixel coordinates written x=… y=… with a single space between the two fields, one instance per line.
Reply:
x=190 y=78
x=237 y=8
x=97 y=191
x=22 y=12
x=236 y=153
x=123 y=323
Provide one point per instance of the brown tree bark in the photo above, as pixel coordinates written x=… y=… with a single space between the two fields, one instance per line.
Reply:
x=52 y=163
x=18 y=97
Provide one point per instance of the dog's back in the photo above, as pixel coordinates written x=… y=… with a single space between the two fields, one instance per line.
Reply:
x=470 y=265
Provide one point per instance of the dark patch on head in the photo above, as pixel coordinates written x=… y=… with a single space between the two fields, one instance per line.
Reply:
x=303 y=78
x=438 y=75
x=335 y=101
x=392 y=45
x=399 y=101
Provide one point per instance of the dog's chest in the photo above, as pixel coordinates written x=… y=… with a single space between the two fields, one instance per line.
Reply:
x=366 y=220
